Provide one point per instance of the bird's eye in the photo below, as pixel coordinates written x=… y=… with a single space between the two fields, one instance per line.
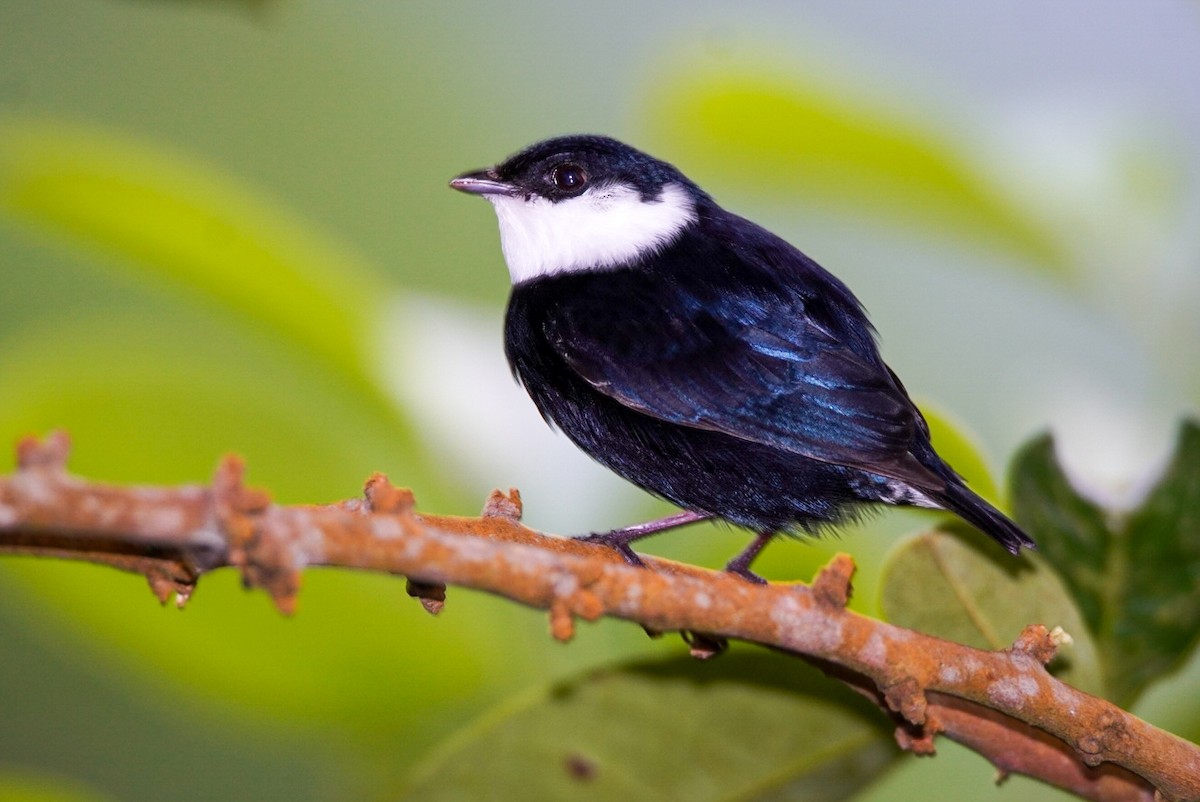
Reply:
x=568 y=177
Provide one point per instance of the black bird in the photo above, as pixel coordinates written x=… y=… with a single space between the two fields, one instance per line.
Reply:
x=700 y=356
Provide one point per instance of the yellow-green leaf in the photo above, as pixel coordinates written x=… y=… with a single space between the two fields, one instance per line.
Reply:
x=170 y=215
x=973 y=593
x=1135 y=575
x=748 y=726
x=790 y=135
x=21 y=787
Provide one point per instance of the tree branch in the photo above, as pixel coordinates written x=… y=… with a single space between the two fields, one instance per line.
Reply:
x=1002 y=704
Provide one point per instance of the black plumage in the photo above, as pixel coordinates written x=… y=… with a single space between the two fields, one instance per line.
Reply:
x=719 y=368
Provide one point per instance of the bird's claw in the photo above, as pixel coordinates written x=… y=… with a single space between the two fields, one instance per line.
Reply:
x=745 y=573
x=617 y=544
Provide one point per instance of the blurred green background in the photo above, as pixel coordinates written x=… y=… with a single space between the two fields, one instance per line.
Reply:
x=224 y=226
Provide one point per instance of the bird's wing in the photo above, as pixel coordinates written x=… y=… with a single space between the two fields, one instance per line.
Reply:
x=767 y=373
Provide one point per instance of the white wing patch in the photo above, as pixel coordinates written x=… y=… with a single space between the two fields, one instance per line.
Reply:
x=898 y=492
x=604 y=227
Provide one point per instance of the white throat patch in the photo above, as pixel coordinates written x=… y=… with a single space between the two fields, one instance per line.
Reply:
x=603 y=227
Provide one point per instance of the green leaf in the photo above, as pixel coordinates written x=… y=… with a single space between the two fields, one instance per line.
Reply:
x=1071 y=531
x=782 y=131
x=170 y=216
x=1135 y=576
x=952 y=588
x=20 y=787
x=748 y=725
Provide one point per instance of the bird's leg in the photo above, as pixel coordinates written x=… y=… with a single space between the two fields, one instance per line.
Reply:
x=619 y=539
x=740 y=564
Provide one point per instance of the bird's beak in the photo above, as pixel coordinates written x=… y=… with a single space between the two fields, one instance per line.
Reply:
x=482 y=182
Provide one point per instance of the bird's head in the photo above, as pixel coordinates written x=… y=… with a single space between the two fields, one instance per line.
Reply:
x=583 y=203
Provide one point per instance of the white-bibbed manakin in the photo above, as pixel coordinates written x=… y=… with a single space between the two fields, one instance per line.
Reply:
x=700 y=356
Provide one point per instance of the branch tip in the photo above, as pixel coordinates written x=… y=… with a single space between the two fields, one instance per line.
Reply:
x=267 y=565
x=432 y=606
x=237 y=508
x=907 y=698
x=285 y=603
x=504 y=505
x=171 y=580
x=49 y=453
x=231 y=470
x=183 y=594
x=260 y=543
x=432 y=595
x=386 y=498
x=160 y=586
x=918 y=741
x=231 y=492
x=832 y=587
x=1038 y=642
x=562 y=623
x=702 y=645
x=587 y=605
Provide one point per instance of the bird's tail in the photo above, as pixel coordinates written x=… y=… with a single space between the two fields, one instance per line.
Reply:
x=983 y=516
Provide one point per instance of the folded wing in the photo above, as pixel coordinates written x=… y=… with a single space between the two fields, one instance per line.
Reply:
x=758 y=368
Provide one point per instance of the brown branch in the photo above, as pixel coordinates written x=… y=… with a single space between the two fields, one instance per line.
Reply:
x=1002 y=704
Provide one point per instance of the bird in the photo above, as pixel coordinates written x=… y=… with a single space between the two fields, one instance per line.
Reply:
x=702 y=357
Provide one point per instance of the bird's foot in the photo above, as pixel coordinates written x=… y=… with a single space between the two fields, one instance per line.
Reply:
x=746 y=574
x=740 y=565
x=618 y=540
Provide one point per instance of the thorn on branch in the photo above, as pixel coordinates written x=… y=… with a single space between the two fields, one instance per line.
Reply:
x=164 y=583
x=237 y=504
x=702 y=645
x=831 y=587
x=265 y=562
x=50 y=453
x=907 y=698
x=432 y=595
x=1038 y=642
x=384 y=497
x=504 y=505
x=918 y=739
x=562 y=623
